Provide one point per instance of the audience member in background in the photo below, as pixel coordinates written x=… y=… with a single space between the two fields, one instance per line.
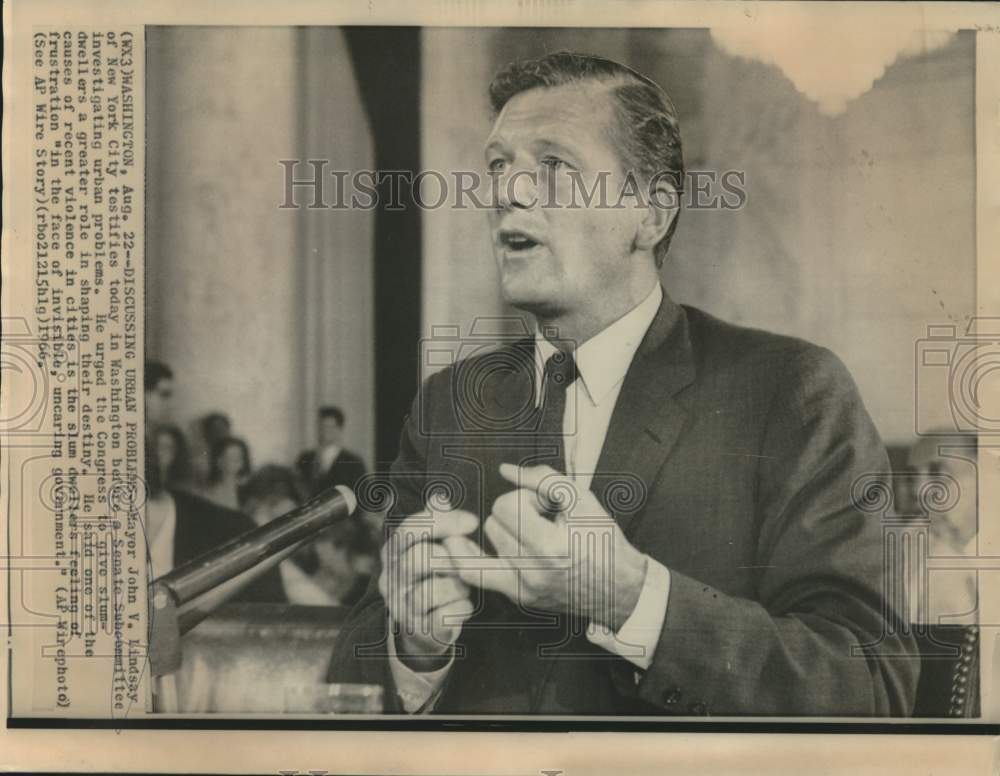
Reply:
x=181 y=526
x=329 y=463
x=174 y=459
x=215 y=427
x=269 y=487
x=211 y=430
x=946 y=465
x=268 y=494
x=229 y=470
x=941 y=484
x=158 y=387
x=346 y=561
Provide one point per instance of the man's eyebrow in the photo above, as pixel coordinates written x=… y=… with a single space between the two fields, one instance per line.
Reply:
x=498 y=145
x=548 y=144
x=494 y=144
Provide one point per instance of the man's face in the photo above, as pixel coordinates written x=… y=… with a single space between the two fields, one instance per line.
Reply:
x=330 y=432
x=545 y=143
x=159 y=402
x=166 y=449
x=232 y=460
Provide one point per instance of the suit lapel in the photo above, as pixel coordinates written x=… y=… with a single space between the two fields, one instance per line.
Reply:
x=493 y=398
x=647 y=419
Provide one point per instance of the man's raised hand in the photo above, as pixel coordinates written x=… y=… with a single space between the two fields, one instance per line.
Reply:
x=428 y=605
x=557 y=549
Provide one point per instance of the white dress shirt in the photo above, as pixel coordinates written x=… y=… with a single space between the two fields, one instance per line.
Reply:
x=602 y=363
x=325 y=457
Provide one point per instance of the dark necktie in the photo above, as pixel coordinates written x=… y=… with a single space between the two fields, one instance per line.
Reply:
x=560 y=372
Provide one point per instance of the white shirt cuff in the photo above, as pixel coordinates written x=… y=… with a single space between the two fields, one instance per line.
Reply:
x=415 y=688
x=637 y=639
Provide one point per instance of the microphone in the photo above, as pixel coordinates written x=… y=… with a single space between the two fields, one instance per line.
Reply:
x=185 y=596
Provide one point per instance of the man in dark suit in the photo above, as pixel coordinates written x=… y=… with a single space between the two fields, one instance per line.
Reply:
x=646 y=510
x=329 y=464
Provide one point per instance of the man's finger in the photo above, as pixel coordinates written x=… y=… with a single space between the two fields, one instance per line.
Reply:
x=520 y=513
x=400 y=577
x=461 y=610
x=446 y=621
x=504 y=541
x=460 y=548
x=434 y=592
x=415 y=563
x=483 y=574
x=433 y=527
x=555 y=491
x=504 y=581
x=526 y=476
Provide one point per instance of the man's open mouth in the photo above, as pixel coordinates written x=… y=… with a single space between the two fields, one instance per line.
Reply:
x=516 y=240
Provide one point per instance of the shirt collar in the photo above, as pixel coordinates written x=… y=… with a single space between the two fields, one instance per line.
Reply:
x=604 y=359
x=329 y=453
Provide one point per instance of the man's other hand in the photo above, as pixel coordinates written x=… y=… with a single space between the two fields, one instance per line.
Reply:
x=428 y=607
x=559 y=550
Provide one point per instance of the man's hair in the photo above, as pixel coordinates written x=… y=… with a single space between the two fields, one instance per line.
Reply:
x=153 y=372
x=270 y=484
x=646 y=130
x=331 y=411
x=209 y=420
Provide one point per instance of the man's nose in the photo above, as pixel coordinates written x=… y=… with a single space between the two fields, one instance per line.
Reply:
x=517 y=188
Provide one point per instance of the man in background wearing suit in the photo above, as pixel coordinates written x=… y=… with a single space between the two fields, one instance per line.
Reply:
x=329 y=464
x=653 y=511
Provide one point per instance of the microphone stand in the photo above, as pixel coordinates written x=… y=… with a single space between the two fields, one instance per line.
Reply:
x=182 y=598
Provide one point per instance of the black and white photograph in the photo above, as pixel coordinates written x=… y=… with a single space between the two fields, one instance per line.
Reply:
x=470 y=272
x=428 y=390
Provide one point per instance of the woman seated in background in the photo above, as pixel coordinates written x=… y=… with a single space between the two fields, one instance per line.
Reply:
x=940 y=486
x=332 y=570
x=174 y=460
x=208 y=432
x=945 y=466
x=230 y=467
x=347 y=560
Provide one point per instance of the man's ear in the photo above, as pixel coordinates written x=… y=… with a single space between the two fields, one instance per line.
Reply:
x=663 y=203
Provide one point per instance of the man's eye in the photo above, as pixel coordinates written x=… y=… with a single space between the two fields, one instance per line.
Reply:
x=496 y=165
x=554 y=163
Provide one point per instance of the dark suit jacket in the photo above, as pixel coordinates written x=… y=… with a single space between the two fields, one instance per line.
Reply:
x=730 y=459
x=346 y=469
x=203 y=526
